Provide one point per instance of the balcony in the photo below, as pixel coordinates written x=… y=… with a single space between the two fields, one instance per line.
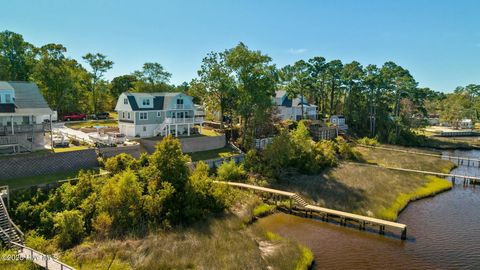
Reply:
x=187 y=120
x=183 y=107
x=24 y=128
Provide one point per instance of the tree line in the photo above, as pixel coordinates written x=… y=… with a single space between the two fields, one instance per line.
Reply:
x=69 y=85
x=239 y=83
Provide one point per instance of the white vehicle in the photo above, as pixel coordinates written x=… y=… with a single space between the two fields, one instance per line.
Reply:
x=60 y=140
x=46 y=118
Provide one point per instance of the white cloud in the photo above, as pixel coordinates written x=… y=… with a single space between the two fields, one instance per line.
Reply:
x=297 y=51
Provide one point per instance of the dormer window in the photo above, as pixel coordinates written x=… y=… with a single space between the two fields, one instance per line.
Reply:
x=179 y=103
x=125 y=101
x=146 y=102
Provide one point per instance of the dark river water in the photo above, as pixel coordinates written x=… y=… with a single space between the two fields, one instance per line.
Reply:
x=443 y=233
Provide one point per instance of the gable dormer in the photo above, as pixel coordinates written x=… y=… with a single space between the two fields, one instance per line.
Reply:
x=145 y=101
x=7 y=98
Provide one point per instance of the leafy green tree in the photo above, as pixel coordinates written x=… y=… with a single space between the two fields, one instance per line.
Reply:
x=255 y=80
x=317 y=67
x=334 y=71
x=299 y=81
x=355 y=100
x=169 y=163
x=219 y=91
x=16 y=57
x=153 y=73
x=99 y=64
x=229 y=171
x=121 y=162
x=121 y=199
x=204 y=196
x=58 y=78
x=155 y=200
x=120 y=84
x=69 y=228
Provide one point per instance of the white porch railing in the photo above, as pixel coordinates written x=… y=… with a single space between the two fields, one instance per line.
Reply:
x=186 y=120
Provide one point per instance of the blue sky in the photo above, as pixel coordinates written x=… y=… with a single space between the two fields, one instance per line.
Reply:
x=438 y=41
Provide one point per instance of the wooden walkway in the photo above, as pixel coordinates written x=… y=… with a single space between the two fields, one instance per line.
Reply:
x=46 y=261
x=325 y=213
x=460 y=160
x=467 y=179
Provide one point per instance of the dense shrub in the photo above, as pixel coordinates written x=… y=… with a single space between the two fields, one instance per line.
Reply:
x=229 y=171
x=345 y=150
x=155 y=191
x=121 y=162
x=69 y=228
x=121 y=199
x=368 y=141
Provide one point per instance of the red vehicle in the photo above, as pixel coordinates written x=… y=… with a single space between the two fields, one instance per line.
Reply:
x=74 y=117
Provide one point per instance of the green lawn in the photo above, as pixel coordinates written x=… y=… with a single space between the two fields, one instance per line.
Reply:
x=217 y=153
x=70 y=149
x=37 y=180
x=92 y=123
x=209 y=132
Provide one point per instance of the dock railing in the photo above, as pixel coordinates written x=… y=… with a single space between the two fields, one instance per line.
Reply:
x=41 y=259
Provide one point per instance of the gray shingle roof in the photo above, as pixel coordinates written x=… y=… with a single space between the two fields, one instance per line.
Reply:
x=28 y=99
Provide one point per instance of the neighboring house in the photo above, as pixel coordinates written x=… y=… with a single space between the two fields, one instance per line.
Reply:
x=339 y=122
x=22 y=112
x=466 y=124
x=292 y=108
x=157 y=114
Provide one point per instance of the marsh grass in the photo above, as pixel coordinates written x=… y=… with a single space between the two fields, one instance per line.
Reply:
x=406 y=160
x=370 y=191
x=434 y=186
x=223 y=242
x=263 y=209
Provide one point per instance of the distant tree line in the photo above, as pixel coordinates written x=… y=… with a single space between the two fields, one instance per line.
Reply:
x=238 y=84
x=69 y=86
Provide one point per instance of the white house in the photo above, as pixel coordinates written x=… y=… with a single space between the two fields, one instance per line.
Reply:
x=466 y=123
x=22 y=112
x=292 y=109
x=339 y=122
x=157 y=114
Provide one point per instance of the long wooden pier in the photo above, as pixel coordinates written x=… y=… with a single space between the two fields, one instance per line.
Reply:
x=326 y=213
x=466 y=161
x=466 y=179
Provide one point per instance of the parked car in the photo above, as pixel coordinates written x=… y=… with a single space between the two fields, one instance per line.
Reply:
x=100 y=115
x=46 y=118
x=74 y=117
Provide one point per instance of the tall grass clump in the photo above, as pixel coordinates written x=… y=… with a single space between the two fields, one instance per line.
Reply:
x=368 y=141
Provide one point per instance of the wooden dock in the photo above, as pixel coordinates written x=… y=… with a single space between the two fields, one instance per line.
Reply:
x=326 y=213
x=466 y=179
x=466 y=161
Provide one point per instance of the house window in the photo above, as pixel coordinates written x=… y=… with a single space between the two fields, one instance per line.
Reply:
x=146 y=102
x=144 y=129
x=8 y=99
x=159 y=114
x=123 y=115
x=143 y=116
x=128 y=115
x=125 y=101
x=179 y=103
